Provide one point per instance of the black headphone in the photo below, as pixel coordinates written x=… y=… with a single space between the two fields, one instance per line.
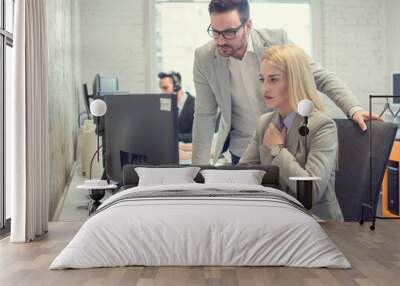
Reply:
x=176 y=79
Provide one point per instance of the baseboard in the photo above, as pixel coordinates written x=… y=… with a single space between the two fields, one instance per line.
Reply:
x=56 y=215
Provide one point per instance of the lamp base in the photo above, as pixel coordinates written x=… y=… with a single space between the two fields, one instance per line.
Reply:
x=304 y=193
x=304 y=190
x=95 y=196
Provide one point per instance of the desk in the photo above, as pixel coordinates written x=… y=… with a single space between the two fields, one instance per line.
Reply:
x=96 y=193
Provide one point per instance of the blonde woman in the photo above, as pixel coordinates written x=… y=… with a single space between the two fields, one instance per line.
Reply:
x=286 y=78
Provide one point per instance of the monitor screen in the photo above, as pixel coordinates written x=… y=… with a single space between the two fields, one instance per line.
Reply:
x=396 y=87
x=140 y=129
x=108 y=84
x=105 y=85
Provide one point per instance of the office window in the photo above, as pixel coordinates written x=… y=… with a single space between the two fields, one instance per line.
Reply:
x=6 y=60
x=181 y=28
x=8 y=73
x=2 y=195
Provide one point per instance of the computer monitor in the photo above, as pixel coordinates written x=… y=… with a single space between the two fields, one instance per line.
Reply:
x=105 y=85
x=108 y=84
x=396 y=86
x=140 y=129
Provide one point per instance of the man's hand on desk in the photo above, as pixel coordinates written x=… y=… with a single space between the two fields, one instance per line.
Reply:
x=185 y=151
x=362 y=116
x=184 y=155
x=185 y=147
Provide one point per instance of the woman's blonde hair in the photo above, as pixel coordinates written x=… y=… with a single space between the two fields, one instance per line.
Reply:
x=293 y=61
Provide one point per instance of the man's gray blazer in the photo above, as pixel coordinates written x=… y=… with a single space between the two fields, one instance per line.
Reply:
x=213 y=91
x=321 y=159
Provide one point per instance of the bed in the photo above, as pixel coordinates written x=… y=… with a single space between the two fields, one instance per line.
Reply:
x=201 y=224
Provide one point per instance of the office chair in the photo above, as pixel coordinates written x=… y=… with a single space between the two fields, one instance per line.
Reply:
x=354 y=177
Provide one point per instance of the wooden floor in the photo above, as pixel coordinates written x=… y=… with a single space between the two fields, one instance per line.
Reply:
x=375 y=257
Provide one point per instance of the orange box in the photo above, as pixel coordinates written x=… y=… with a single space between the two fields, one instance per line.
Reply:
x=394 y=156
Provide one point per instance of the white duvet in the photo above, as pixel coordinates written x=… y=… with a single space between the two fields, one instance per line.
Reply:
x=200 y=231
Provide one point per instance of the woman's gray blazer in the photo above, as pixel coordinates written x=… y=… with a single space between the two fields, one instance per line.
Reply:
x=321 y=159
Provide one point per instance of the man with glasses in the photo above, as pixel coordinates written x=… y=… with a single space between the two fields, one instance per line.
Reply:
x=226 y=72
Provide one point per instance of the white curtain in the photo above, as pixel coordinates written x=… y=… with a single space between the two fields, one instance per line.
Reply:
x=28 y=123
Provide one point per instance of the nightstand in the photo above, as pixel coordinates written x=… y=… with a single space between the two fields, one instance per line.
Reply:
x=96 y=192
x=304 y=190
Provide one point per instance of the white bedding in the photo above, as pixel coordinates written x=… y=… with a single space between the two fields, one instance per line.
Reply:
x=200 y=231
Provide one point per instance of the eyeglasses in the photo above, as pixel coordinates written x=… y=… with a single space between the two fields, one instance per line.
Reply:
x=228 y=34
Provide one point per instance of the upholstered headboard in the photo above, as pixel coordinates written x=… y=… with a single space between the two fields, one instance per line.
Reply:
x=271 y=178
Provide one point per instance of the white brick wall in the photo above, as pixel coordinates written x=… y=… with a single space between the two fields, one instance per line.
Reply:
x=359 y=40
x=393 y=38
x=361 y=43
x=112 y=42
x=354 y=45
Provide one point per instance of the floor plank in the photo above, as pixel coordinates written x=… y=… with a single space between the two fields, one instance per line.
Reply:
x=374 y=255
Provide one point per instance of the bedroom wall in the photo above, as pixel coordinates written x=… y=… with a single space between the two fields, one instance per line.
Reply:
x=359 y=40
x=62 y=93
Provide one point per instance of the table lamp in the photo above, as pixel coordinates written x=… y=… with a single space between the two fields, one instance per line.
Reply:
x=304 y=184
x=97 y=108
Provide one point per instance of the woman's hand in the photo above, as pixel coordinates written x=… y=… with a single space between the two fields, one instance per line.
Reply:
x=273 y=136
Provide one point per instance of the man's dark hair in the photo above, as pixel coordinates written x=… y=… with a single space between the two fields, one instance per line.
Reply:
x=221 y=6
x=175 y=76
x=176 y=79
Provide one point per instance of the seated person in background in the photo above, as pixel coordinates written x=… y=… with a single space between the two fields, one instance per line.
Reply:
x=286 y=79
x=171 y=83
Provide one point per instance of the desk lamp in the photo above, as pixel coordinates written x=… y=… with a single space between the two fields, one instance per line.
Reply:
x=97 y=108
x=304 y=184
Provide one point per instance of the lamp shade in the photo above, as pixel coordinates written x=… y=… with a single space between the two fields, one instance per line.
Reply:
x=98 y=107
x=305 y=107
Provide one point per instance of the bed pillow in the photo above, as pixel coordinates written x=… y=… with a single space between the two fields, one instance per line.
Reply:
x=165 y=176
x=248 y=177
